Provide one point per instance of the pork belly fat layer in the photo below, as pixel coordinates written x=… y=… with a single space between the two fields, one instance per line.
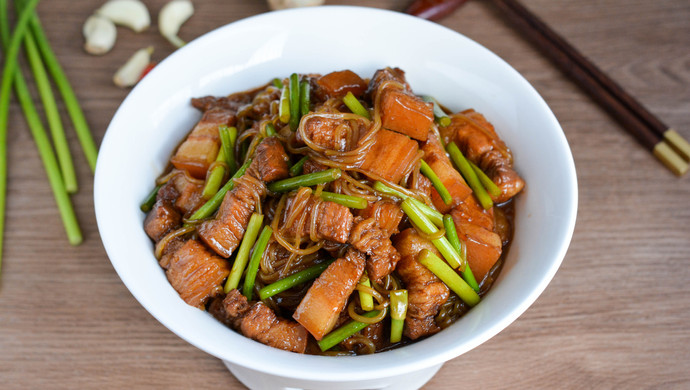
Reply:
x=200 y=148
x=195 y=273
x=327 y=297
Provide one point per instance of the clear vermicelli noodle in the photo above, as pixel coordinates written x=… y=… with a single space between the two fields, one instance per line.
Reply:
x=304 y=241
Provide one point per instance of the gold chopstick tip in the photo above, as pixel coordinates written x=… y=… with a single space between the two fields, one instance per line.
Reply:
x=678 y=143
x=670 y=158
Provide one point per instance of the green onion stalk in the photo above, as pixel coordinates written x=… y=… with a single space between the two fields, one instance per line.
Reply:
x=366 y=300
x=277 y=83
x=460 y=247
x=470 y=175
x=255 y=222
x=270 y=130
x=422 y=223
x=228 y=138
x=308 y=180
x=57 y=131
x=284 y=105
x=488 y=184
x=350 y=201
x=293 y=280
x=433 y=215
x=449 y=277
x=11 y=74
x=439 y=115
x=212 y=204
x=296 y=169
x=74 y=110
x=294 y=102
x=214 y=179
x=148 y=203
x=226 y=153
x=304 y=97
x=253 y=267
x=355 y=106
x=398 y=313
x=436 y=182
x=332 y=339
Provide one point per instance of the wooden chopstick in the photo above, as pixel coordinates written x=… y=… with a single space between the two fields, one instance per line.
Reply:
x=665 y=143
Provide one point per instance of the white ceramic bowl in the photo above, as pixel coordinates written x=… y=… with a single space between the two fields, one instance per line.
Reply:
x=439 y=62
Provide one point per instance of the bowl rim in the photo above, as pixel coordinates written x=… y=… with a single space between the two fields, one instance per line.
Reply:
x=325 y=371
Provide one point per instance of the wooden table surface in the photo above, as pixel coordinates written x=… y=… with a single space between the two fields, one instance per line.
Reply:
x=615 y=315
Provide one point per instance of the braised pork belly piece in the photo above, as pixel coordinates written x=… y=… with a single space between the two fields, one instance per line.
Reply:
x=368 y=237
x=391 y=156
x=258 y=322
x=177 y=198
x=405 y=113
x=426 y=292
x=326 y=220
x=195 y=273
x=327 y=297
x=390 y=76
x=270 y=161
x=435 y=156
x=475 y=226
x=339 y=83
x=479 y=142
x=329 y=132
x=200 y=149
x=162 y=218
x=224 y=233
x=386 y=213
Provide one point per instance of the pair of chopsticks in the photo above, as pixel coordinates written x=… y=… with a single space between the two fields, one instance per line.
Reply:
x=664 y=142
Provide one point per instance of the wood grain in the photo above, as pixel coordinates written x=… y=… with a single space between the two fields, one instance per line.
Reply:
x=615 y=315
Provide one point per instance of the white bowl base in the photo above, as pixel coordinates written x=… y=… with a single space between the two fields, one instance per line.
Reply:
x=260 y=380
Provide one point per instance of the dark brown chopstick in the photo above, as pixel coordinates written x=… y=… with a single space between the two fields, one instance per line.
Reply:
x=433 y=9
x=665 y=143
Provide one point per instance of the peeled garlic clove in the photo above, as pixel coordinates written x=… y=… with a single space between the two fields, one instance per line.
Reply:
x=130 y=73
x=172 y=17
x=128 y=13
x=283 y=4
x=100 y=34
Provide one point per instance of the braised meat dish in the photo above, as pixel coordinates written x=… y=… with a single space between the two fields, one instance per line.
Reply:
x=334 y=214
